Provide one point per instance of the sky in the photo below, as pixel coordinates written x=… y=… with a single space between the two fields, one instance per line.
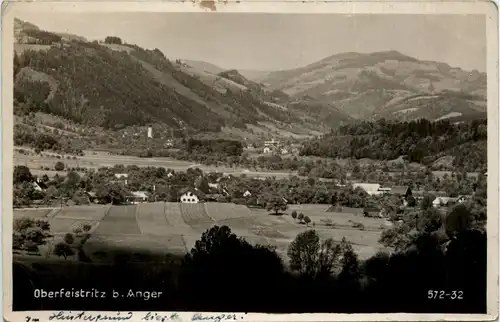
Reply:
x=282 y=41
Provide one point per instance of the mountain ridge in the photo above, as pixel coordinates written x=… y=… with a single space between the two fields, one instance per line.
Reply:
x=136 y=86
x=362 y=83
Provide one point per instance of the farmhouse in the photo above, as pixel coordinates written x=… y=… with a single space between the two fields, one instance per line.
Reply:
x=370 y=188
x=138 y=197
x=190 y=196
x=403 y=191
x=443 y=201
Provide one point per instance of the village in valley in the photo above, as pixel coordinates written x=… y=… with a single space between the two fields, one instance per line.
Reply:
x=362 y=176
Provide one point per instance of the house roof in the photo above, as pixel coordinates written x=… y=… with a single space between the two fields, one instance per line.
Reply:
x=121 y=175
x=41 y=185
x=444 y=200
x=194 y=191
x=367 y=186
x=139 y=194
x=399 y=190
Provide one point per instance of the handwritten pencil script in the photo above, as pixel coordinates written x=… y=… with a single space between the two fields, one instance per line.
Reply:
x=149 y=316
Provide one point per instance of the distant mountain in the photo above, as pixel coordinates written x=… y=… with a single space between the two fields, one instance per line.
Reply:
x=115 y=85
x=27 y=33
x=254 y=75
x=386 y=84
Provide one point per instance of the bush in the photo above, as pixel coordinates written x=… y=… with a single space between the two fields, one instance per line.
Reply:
x=63 y=249
x=59 y=166
x=69 y=239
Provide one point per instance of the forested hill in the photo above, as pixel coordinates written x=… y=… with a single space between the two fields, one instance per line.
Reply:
x=386 y=84
x=113 y=85
x=420 y=141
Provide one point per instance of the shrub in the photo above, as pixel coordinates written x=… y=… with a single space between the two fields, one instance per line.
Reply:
x=59 y=166
x=63 y=249
x=69 y=239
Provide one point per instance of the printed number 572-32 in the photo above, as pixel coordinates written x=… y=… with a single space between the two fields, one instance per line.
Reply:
x=442 y=295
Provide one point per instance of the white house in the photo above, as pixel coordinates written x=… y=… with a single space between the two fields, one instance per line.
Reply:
x=443 y=201
x=267 y=150
x=189 y=197
x=213 y=185
x=462 y=199
x=122 y=176
x=247 y=194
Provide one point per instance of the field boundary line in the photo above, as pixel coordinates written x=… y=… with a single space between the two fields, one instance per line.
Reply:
x=99 y=221
x=51 y=214
x=205 y=209
x=136 y=211
x=169 y=224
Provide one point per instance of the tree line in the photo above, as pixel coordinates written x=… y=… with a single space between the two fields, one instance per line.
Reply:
x=421 y=141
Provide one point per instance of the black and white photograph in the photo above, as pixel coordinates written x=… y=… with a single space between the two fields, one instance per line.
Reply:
x=240 y=161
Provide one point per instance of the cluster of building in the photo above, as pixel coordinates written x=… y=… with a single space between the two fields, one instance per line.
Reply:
x=441 y=200
x=276 y=147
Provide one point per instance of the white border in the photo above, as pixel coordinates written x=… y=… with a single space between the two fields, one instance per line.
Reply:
x=489 y=9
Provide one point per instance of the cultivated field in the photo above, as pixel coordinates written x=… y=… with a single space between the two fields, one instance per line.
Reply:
x=195 y=214
x=223 y=211
x=95 y=160
x=120 y=220
x=156 y=229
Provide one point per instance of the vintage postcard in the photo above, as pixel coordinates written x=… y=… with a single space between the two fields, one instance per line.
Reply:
x=250 y=161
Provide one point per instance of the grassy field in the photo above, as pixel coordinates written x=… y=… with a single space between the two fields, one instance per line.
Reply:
x=156 y=229
x=94 y=160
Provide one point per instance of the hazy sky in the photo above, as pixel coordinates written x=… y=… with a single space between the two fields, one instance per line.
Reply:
x=282 y=41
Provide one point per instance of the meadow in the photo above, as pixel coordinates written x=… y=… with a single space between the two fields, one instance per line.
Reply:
x=153 y=230
x=37 y=163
